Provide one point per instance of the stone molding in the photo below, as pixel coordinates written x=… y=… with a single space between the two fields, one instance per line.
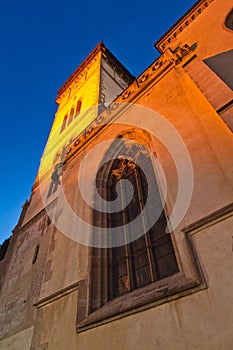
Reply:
x=158 y=293
x=164 y=42
x=210 y=220
x=57 y=295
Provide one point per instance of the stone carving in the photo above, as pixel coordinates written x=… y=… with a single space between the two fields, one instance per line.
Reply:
x=184 y=24
x=127 y=93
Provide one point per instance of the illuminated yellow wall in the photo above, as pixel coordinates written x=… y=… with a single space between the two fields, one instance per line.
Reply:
x=98 y=80
x=85 y=89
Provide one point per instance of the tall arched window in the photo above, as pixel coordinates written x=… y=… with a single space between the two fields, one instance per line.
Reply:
x=141 y=261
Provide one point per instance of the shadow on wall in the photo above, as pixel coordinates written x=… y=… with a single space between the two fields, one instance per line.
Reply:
x=221 y=64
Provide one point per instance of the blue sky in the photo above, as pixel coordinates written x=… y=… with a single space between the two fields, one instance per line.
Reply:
x=42 y=43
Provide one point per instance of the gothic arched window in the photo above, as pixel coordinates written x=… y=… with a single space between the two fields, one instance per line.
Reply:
x=147 y=255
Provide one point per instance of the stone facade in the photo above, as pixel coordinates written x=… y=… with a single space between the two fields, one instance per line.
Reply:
x=48 y=274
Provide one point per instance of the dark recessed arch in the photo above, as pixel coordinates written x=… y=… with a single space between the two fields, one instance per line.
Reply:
x=120 y=270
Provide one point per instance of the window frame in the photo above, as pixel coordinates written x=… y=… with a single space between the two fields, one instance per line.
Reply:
x=188 y=280
x=154 y=238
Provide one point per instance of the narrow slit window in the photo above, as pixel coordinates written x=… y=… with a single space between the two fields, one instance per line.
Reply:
x=71 y=117
x=35 y=256
x=78 y=108
x=64 y=123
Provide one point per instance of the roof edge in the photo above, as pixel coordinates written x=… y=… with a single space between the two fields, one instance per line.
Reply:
x=100 y=47
x=162 y=44
x=91 y=55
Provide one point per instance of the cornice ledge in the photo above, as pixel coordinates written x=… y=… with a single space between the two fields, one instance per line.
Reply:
x=57 y=295
x=210 y=220
x=164 y=42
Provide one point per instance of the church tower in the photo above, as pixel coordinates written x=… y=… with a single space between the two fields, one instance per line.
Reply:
x=98 y=80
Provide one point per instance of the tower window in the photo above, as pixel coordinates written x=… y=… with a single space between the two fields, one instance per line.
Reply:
x=71 y=117
x=64 y=123
x=78 y=108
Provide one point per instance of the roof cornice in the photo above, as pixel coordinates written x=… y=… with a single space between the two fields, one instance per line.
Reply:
x=106 y=54
x=164 y=42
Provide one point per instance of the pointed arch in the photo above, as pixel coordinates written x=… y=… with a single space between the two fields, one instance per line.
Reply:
x=122 y=269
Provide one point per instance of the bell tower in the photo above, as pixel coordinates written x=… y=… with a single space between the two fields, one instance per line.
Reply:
x=97 y=81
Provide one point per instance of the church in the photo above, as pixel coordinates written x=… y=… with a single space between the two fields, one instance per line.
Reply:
x=126 y=241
